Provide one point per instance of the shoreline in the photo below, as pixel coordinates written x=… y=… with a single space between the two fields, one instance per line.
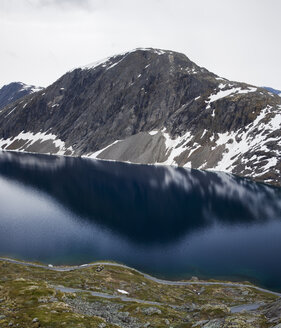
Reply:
x=88 y=157
x=145 y=275
x=106 y=294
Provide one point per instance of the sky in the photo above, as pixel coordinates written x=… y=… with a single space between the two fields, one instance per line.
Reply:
x=236 y=39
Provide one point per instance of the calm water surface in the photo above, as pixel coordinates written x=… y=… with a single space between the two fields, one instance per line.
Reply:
x=170 y=222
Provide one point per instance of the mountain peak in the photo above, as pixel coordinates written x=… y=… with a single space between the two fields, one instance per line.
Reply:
x=146 y=53
x=15 y=90
x=151 y=106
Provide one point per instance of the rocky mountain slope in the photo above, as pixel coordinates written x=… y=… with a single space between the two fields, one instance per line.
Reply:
x=151 y=106
x=14 y=91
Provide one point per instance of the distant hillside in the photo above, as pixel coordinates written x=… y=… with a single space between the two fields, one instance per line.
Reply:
x=277 y=92
x=15 y=90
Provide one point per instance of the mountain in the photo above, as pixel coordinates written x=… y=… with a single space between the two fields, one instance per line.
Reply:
x=277 y=92
x=151 y=106
x=14 y=91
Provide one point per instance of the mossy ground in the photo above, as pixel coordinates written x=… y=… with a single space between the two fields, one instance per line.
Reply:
x=27 y=293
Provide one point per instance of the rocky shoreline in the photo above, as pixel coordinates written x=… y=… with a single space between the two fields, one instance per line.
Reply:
x=111 y=295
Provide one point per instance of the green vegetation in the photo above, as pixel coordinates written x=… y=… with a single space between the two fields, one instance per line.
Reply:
x=31 y=297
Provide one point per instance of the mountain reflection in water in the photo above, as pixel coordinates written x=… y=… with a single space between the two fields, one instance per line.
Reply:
x=173 y=222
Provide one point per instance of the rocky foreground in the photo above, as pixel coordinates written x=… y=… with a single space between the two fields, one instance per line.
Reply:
x=108 y=295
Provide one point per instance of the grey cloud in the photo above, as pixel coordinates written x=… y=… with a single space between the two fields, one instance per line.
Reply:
x=236 y=39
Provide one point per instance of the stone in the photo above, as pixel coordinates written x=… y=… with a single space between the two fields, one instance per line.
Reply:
x=99 y=268
x=272 y=311
x=151 y=311
x=194 y=278
x=200 y=323
x=124 y=316
x=216 y=323
x=277 y=326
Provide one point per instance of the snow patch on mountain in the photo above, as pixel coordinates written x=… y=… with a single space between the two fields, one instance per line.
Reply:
x=30 y=88
x=108 y=61
x=251 y=141
x=27 y=139
x=174 y=147
x=11 y=111
x=96 y=154
x=240 y=142
x=226 y=93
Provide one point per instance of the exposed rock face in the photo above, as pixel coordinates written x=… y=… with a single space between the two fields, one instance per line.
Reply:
x=152 y=106
x=14 y=91
x=273 y=312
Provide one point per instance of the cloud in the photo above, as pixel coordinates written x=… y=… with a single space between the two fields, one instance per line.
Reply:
x=22 y=6
x=236 y=39
x=83 y=4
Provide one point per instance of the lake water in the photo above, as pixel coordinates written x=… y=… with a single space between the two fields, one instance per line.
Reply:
x=169 y=222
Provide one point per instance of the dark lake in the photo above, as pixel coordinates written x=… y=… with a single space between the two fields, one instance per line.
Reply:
x=169 y=222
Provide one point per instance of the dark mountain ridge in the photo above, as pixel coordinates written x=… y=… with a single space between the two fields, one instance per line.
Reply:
x=14 y=91
x=151 y=106
x=275 y=91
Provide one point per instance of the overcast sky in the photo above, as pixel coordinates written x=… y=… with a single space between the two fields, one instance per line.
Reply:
x=236 y=39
